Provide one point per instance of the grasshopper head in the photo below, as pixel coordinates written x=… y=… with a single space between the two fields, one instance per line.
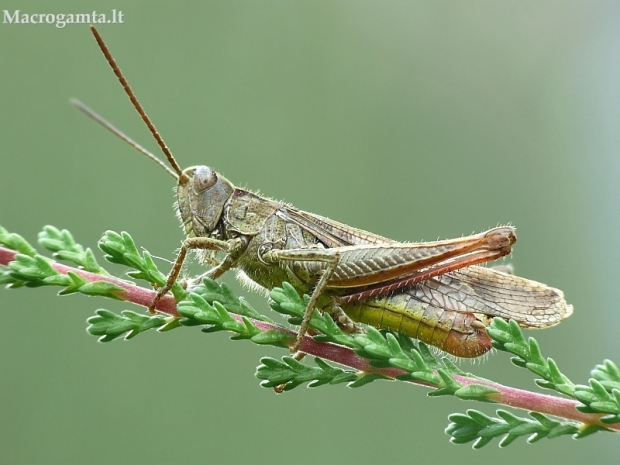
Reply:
x=201 y=196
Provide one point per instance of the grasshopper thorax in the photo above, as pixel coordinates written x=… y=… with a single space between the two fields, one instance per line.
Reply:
x=201 y=196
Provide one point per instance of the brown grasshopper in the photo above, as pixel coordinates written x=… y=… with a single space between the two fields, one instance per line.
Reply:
x=430 y=291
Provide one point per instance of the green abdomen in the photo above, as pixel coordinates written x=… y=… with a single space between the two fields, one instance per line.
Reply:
x=454 y=332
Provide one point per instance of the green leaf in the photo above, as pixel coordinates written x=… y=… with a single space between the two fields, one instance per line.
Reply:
x=29 y=268
x=562 y=429
x=509 y=418
x=587 y=431
x=587 y=396
x=63 y=245
x=403 y=363
x=475 y=392
x=426 y=377
x=121 y=249
x=111 y=326
x=16 y=242
x=273 y=337
x=103 y=288
x=481 y=442
x=293 y=373
x=452 y=368
x=610 y=419
x=374 y=343
x=600 y=390
x=507 y=440
x=366 y=378
x=494 y=430
x=605 y=407
x=534 y=353
x=211 y=292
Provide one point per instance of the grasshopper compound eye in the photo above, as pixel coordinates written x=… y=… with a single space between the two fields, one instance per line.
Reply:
x=204 y=178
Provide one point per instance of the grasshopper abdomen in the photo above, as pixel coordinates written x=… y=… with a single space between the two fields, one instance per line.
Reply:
x=457 y=333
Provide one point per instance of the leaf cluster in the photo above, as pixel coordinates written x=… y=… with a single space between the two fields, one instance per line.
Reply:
x=371 y=355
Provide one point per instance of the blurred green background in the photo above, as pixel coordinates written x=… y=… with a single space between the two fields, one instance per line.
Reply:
x=415 y=120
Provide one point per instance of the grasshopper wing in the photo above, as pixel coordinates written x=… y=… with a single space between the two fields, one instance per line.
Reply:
x=330 y=232
x=493 y=293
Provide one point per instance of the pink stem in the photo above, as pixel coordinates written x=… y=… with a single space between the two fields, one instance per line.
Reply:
x=517 y=398
x=132 y=293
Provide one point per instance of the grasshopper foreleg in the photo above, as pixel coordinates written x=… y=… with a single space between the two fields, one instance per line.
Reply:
x=230 y=247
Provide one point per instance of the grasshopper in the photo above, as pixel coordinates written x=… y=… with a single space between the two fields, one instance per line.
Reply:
x=432 y=291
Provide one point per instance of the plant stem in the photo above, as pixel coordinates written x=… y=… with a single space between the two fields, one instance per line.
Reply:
x=133 y=293
x=517 y=398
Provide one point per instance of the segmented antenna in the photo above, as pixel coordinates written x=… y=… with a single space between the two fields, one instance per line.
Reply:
x=160 y=141
x=121 y=135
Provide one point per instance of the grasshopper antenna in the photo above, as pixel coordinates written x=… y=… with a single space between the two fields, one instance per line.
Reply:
x=121 y=135
x=160 y=141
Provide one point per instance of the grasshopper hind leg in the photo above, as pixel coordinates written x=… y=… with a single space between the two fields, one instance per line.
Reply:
x=318 y=290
